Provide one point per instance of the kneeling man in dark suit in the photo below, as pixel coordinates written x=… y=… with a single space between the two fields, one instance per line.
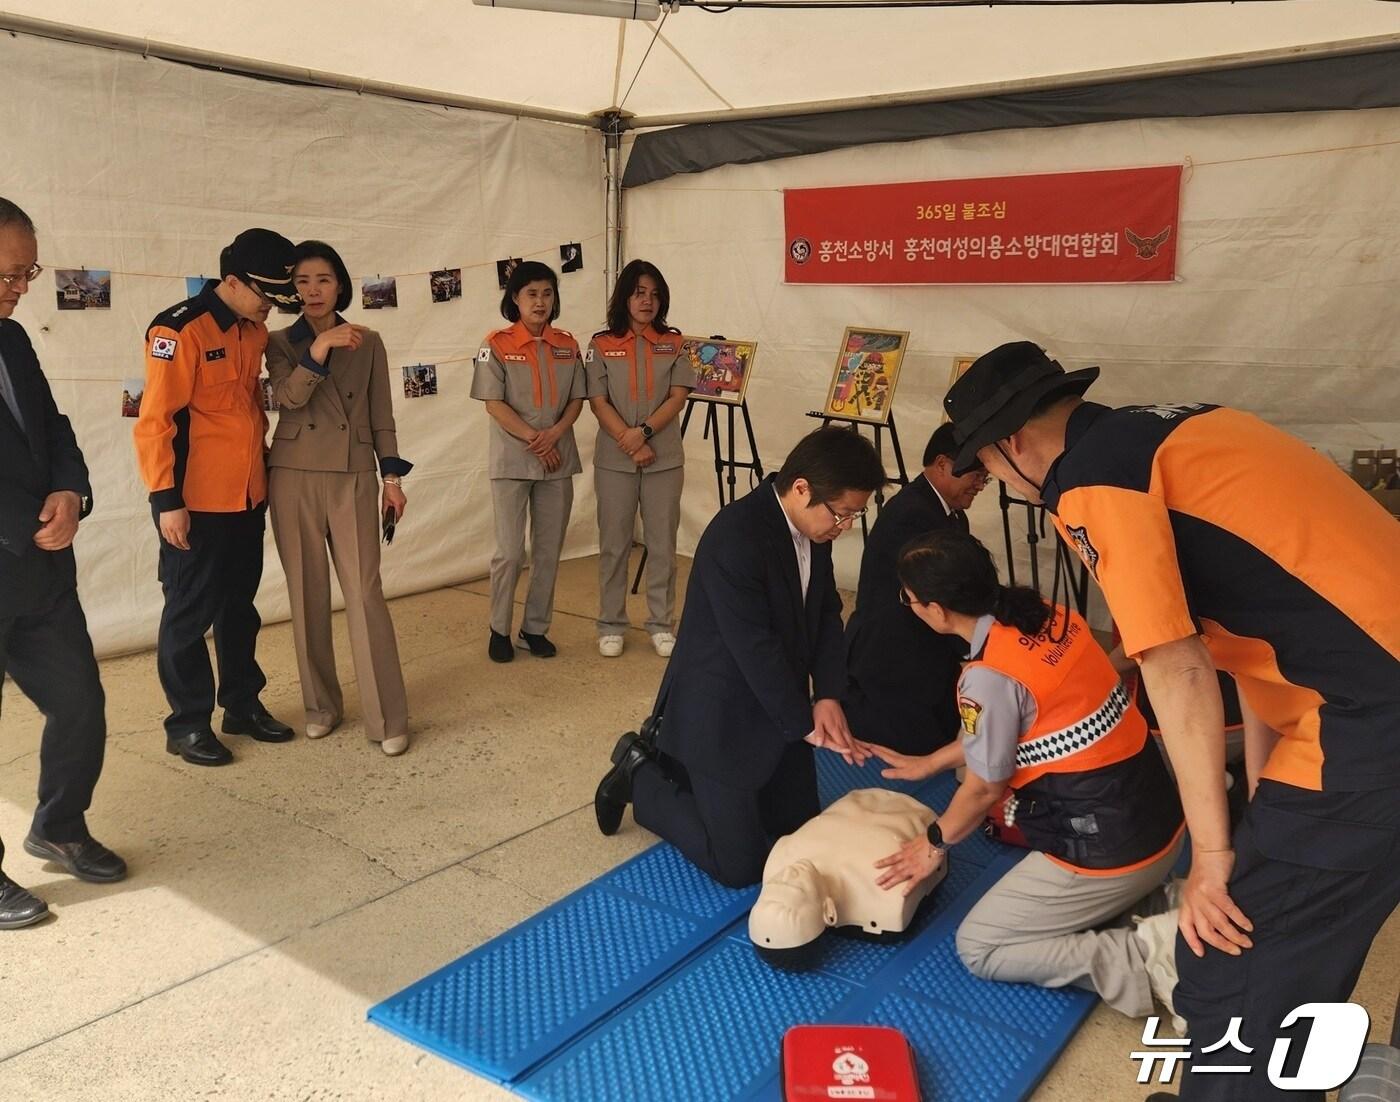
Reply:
x=904 y=677
x=757 y=674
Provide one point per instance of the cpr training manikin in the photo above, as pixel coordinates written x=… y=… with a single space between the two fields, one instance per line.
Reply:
x=823 y=876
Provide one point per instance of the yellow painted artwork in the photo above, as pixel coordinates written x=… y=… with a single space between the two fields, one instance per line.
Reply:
x=867 y=368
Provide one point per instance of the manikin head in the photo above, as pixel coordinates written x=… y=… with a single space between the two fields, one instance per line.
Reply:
x=1009 y=411
x=793 y=911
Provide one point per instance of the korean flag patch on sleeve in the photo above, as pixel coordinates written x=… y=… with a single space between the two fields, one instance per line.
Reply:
x=588 y=356
x=483 y=355
x=163 y=348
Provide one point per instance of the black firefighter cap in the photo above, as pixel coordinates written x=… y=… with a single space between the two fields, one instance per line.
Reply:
x=995 y=396
x=263 y=259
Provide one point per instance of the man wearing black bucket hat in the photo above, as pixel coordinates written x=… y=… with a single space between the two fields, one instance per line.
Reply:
x=200 y=444
x=1220 y=541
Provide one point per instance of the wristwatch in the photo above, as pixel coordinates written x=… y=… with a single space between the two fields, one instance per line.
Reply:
x=935 y=835
x=647 y=431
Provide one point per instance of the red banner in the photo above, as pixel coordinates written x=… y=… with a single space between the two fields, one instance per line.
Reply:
x=1117 y=226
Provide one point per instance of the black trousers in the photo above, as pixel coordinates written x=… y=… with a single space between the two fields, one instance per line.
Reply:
x=871 y=720
x=1318 y=874
x=49 y=654
x=211 y=585
x=727 y=832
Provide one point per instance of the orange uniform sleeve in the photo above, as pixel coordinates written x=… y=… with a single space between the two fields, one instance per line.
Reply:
x=1125 y=538
x=171 y=359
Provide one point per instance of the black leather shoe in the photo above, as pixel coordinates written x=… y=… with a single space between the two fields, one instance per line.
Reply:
x=18 y=907
x=89 y=860
x=539 y=645
x=259 y=724
x=499 y=648
x=615 y=789
x=199 y=748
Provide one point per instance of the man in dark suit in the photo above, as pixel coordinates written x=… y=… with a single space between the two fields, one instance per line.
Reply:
x=44 y=643
x=903 y=677
x=758 y=670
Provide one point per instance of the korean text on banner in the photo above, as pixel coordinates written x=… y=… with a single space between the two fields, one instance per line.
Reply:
x=1116 y=226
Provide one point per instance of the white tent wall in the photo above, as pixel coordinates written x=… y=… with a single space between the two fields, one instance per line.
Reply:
x=1289 y=265
x=149 y=168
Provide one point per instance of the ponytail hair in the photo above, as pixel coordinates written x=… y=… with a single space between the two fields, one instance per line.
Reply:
x=951 y=568
x=1021 y=607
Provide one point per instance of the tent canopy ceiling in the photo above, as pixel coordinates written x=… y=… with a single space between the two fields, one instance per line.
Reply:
x=701 y=64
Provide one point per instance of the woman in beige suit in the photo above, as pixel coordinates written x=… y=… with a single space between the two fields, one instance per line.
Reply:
x=334 y=443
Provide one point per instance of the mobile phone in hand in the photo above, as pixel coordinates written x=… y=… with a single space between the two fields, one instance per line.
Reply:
x=390 y=519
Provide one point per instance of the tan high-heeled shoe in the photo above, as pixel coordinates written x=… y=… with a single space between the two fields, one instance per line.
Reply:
x=394 y=746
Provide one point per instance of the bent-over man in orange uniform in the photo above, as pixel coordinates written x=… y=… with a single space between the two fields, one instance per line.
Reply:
x=1221 y=542
x=200 y=443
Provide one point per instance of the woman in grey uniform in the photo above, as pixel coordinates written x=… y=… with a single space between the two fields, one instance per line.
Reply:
x=638 y=381
x=530 y=375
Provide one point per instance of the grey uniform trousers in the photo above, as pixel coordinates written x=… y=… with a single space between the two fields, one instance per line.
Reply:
x=1038 y=924
x=548 y=502
x=620 y=494
x=310 y=510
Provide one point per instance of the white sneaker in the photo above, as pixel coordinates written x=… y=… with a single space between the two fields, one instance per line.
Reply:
x=663 y=642
x=1158 y=937
x=610 y=646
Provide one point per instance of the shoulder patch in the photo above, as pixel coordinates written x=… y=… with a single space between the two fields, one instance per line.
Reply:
x=483 y=354
x=163 y=348
x=969 y=711
x=1085 y=547
x=588 y=356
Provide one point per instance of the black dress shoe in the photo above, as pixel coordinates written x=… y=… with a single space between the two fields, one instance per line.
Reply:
x=499 y=648
x=199 y=748
x=615 y=789
x=89 y=860
x=258 y=723
x=18 y=907
x=539 y=645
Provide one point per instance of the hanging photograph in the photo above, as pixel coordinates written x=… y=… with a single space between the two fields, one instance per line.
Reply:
x=867 y=368
x=379 y=292
x=445 y=284
x=722 y=368
x=81 y=289
x=420 y=381
x=571 y=257
x=269 y=403
x=504 y=268
x=132 y=389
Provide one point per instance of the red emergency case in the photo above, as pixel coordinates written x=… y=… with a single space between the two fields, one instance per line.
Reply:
x=868 y=1062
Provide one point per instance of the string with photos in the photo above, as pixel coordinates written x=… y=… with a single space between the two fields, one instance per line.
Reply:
x=541 y=254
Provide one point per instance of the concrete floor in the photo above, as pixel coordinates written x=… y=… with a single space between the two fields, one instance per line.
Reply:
x=271 y=902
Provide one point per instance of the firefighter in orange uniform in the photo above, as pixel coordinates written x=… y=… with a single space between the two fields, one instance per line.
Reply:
x=200 y=441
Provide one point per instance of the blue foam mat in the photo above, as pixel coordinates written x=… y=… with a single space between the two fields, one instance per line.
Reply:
x=573 y=1005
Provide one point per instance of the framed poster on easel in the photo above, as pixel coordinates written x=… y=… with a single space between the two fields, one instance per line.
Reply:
x=867 y=369
x=722 y=368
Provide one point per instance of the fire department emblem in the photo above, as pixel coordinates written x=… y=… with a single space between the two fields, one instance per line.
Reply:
x=1087 y=551
x=800 y=250
x=969 y=711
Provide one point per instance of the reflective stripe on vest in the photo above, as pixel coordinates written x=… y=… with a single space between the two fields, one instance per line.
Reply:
x=1067 y=741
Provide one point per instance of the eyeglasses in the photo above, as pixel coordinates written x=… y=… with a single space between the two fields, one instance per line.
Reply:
x=843 y=518
x=904 y=597
x=29 y=275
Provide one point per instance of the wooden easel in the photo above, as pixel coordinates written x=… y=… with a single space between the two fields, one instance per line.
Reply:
x=727 y=463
